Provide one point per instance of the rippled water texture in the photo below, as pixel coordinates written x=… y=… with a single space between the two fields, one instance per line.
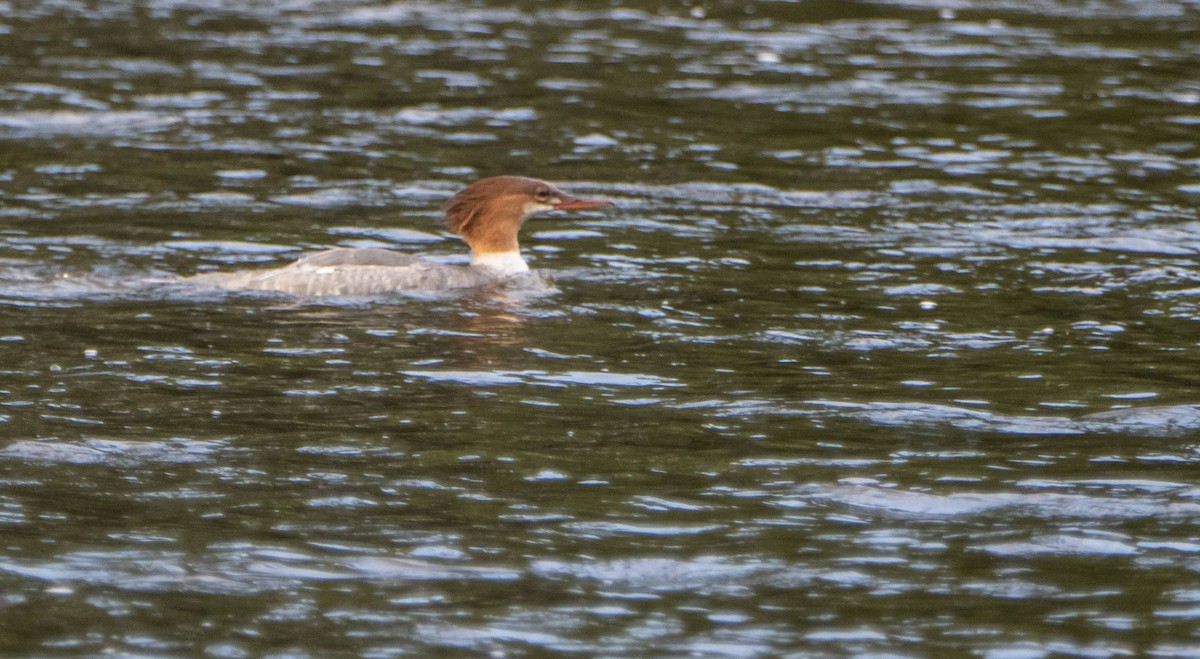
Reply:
x=889 y=348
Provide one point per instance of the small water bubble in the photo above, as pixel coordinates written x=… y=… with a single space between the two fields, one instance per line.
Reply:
x=768 y=58
x=596 y=140
x=928 y=305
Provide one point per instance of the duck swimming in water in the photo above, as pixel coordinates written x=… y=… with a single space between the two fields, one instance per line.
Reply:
x=488 y=214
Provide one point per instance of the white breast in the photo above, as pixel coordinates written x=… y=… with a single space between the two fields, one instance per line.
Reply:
x=501 y=263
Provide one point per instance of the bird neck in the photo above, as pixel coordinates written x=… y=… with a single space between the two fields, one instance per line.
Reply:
x=505 y=263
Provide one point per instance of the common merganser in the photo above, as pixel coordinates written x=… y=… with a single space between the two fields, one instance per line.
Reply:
x=488 y=214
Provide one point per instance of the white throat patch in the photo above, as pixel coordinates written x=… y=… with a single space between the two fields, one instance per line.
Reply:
x=534 y=208
x=502 y=263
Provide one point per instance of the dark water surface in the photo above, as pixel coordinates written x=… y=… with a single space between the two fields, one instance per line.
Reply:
x=891 y=346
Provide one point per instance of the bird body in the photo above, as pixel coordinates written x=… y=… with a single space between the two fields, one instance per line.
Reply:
x=488 y=214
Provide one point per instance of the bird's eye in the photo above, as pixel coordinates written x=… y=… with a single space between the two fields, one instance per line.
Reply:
x=542 y=194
